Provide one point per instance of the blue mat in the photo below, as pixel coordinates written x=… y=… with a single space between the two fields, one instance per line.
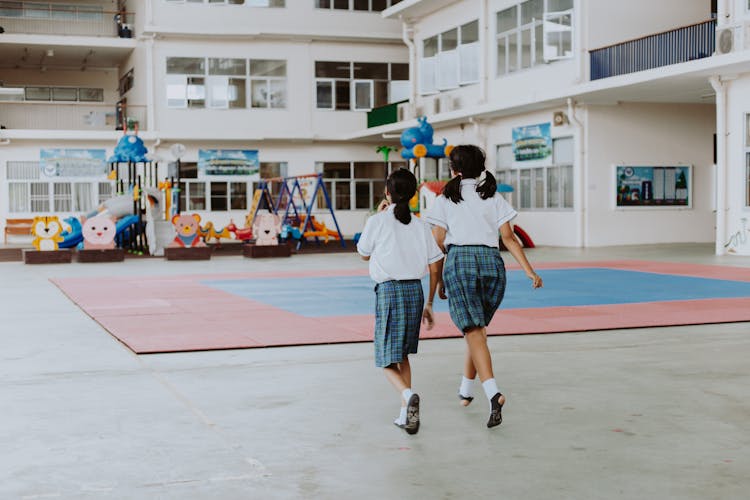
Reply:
x=353 y=295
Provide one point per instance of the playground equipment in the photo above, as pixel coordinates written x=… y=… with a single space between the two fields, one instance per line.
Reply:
x=417 y=142
x=294 y=205
x=187 y=228
x=47 y=231
x=209 y=232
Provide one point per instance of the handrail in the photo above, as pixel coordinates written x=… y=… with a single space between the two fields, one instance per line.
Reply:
x=631 y=40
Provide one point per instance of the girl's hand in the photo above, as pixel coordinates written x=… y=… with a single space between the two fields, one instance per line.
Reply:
x=428 y=317
x=383 y=205
x=441 y=290
x=536 y=280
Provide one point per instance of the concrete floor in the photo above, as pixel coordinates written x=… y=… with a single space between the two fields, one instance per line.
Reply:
x=651 y=413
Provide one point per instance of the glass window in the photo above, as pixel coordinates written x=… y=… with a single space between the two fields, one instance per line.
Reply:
x=64 y=94
x=36 y=10
x=363 y=95
x=186 y=65
x=507 y=19
x=343 y=99
x=91 y=95
x=371 y=71
x=430 y=46
x=11 y=9
x=229 y=67
x=39 y=196
x=332 y=69
x=341 y=4
x=18 y=197
x=63 y=196
x=37 y=93
x=399 y=71
x=362 y=5
x=60 y=11
x=532 y=10
x=470 y=32
x=449 y=40
x=559 y=5
x=269 y=170
x=197 y=195
x=324 y=94
x=267 y=67
x=238 y=195
x=218 y=196
x=336 y=170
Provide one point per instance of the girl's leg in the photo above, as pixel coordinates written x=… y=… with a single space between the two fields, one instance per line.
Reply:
x=476 y=339
x=399 y=375
x=466 y=389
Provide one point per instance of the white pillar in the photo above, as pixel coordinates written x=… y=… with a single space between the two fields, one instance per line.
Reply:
x=720 y=87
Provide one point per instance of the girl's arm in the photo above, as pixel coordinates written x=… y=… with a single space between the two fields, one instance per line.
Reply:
x=436 y=273
x=439 y=234
x=516 y=250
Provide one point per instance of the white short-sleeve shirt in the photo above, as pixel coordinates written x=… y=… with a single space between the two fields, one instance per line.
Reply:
x=397 y=251
x=472 y=221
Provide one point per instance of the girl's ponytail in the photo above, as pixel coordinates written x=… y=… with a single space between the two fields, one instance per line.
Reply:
x=401 y=211
x=452 y=190
x=488 y=187
x=401 y=186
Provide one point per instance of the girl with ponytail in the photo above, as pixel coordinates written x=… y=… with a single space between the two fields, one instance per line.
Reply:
x=400 y=248
x=466 y=220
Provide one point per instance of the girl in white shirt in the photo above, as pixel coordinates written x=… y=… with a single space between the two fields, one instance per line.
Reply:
x=466 y=219
x=400 y=248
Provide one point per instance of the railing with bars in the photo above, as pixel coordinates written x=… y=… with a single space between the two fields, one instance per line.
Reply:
x=679 y=45
x=53 y=116
x=45 y=18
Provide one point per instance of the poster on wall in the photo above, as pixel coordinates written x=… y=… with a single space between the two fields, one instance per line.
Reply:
x=213 y=162
x=73 y=162
x=664 y=186
x=532 y=145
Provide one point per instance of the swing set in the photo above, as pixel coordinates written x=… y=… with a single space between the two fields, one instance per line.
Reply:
x=292 y=206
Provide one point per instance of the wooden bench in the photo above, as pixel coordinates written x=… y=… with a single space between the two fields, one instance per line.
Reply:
x=18 y=227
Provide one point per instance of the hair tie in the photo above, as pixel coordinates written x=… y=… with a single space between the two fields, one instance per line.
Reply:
x=483 y=175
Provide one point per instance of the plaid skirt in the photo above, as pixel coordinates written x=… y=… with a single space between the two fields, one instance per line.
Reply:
x=398 y=316
x=474 y=277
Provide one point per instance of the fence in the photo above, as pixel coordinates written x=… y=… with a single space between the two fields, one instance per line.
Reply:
x=65 y=19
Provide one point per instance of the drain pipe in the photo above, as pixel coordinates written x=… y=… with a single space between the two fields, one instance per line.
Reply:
x=720 y=87
x=407 y=32
x=581 y=198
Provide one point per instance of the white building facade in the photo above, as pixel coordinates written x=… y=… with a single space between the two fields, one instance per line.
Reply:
x=288 y=79
x=642 y=105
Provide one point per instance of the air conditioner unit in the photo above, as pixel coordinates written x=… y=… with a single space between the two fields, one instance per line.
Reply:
x=405 y=111
x=729 y=39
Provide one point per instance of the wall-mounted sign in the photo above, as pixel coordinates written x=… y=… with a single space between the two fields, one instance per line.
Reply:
x=667 y=186
x=532 y=145
x=213 y=162
x=73 y=162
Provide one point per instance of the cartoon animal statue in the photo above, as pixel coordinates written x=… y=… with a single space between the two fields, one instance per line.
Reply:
x=99 y=233
x=209 y=232
x=266 y=229
x=417 y=142
x=188 y=231
x=46 y=230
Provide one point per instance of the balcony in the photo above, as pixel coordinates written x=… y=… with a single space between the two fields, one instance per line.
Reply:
x=42 y=18
x=676 y=46
x=69 y=116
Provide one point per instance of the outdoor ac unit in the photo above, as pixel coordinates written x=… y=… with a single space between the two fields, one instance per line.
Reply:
x=405 y=111
x=728 y=39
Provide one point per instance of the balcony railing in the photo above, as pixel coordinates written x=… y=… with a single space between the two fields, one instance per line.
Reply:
x=662 y=49
x=52 y=116
x=42 y=18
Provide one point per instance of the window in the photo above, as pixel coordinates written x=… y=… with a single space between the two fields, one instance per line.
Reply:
x=355 y=185
x=251 y=3
x=539 y=188
x=450 y=59
x=533 y=32
x=357 y=5
x=269 y=170
x=126 y=82
x=221 y=83
x=359 y=86
x=268 y=83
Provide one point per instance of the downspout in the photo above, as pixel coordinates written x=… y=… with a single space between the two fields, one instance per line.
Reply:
x=720 y=88
x=150 y=114
x=407 y=32
x=581 y=200
x=484 y=45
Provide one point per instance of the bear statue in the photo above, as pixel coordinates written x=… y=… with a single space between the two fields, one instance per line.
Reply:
x=188 y=231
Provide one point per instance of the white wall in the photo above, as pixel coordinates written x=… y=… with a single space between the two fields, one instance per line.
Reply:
x=299 y=119
x=649 y=134
x=737 y=229
x=614 y=21
x=298 y=18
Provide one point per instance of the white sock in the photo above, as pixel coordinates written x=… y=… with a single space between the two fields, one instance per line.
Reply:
x=490 y=387
x=467 y=387
x=406 y=394
x=401 y=417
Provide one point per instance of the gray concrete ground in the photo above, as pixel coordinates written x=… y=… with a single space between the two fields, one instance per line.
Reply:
x=650 y=413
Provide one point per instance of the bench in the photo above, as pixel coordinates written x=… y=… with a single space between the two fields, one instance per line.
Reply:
x=18 y=227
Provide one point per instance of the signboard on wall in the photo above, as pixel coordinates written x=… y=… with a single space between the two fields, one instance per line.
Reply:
x=73 y=162
x=532 y=145
x=663 y=186
x=213 y=162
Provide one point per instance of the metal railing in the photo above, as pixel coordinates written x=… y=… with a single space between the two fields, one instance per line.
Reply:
x=44 y=18
x=676 y=46
x=52 y=116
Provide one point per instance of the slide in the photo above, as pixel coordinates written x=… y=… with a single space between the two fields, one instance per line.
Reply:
x=73 y=237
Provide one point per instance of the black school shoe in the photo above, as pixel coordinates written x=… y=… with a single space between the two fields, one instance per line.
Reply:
x=412 y=415
x=496 y=411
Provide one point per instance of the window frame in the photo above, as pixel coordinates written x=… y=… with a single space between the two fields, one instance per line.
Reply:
x=435 y=83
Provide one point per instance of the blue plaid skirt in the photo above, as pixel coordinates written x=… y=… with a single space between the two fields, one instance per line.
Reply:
x=398 y=316
x=474 y=277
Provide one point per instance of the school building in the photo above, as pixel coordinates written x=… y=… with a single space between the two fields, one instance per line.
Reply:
x=615 y=122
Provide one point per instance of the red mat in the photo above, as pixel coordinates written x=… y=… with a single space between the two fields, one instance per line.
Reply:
x=175 y=314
